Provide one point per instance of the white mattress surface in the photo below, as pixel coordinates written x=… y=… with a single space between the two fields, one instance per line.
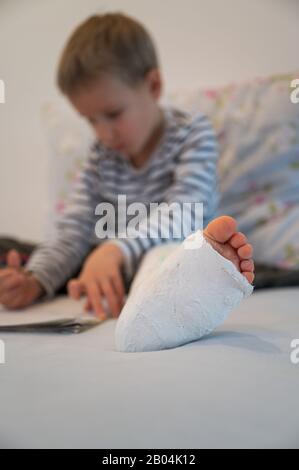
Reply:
x=235 y=388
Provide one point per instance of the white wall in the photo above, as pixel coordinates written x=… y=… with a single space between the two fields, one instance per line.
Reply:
x=200 y=42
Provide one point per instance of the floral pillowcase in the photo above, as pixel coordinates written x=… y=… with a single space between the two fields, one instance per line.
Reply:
x=257 y=126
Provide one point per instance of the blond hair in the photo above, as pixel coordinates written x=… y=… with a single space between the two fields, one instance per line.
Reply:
x=111 y=43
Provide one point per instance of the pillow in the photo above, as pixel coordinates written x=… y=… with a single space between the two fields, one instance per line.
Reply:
x=254 y=121
x=258 y=131
x=69 y=139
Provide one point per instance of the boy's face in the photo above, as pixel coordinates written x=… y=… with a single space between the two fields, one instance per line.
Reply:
x=122 y=117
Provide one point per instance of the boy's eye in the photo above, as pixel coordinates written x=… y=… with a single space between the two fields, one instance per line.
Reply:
x=113 y=114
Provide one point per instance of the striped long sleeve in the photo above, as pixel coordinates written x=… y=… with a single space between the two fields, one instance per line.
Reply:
x=194 y=181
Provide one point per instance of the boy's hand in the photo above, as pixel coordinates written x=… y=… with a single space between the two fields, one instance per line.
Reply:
x=101 y=278
x=18 y=288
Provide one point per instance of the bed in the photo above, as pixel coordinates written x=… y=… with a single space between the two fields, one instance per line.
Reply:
x=237 y=388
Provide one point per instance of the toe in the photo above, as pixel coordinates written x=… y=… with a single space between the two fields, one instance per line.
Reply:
x=221 y=229
x=238 y=240
x=245 y=251
x=247 y=265
x=249 y=276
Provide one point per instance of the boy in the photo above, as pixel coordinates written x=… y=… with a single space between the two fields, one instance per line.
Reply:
x=110 y=73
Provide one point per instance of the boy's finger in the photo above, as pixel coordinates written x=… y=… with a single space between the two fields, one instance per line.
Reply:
x=118 y=285
x=87 y=306
x=11 y=282
x=94 y=297
x=17 y=302
x=5 y=273
x=75 y=289
x=111 y=297
x=10 y=298
x=13 y=259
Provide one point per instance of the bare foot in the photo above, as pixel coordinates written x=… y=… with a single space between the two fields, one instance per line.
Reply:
x=222 y=234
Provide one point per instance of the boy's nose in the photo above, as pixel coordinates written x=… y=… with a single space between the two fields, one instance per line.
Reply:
x=105 y=134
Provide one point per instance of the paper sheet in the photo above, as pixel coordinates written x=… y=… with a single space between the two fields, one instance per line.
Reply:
x=58 y=313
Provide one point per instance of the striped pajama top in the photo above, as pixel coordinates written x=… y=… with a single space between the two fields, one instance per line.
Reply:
x=182 y=168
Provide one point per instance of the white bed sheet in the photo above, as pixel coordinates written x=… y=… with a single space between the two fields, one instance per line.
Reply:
x=235 y=388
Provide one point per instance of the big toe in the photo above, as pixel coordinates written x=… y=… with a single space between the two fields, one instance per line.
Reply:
x=222 y=228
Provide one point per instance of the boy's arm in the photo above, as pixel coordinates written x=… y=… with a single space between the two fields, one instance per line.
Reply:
x=55 y=261
x=195 y=180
